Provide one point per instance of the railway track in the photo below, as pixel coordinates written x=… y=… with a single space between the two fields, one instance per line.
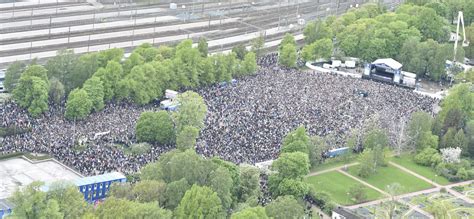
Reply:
x=266 y=20
x=27 y=37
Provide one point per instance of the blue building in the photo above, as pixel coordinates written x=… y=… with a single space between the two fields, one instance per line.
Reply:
x=5 y=208
x=95 y=188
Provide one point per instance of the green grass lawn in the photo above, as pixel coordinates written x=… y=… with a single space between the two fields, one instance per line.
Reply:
x=333 y=162
x=428 y=172
x=390 y=174
x=337 y=185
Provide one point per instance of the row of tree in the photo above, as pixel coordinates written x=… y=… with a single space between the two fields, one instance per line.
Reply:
x=91 y=80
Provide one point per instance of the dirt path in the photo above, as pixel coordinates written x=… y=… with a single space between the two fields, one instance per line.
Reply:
x=364 y=183
x=332 y=169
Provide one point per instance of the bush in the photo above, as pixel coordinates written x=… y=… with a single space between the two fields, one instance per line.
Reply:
x=140 y=148
x=427 y=157
x=321 y=199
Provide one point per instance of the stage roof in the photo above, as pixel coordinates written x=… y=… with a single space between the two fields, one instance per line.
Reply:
x=389 y=62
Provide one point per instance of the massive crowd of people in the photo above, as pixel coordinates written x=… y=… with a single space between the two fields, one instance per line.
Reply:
x=245 y=123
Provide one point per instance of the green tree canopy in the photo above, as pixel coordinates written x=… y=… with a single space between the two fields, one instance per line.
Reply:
x=284 y=207
x=94 y=88
x=287 y=56
x=78 y=105
x=200 y=202
x=292 y=165
x=192 y=111
x=13 y=74
x=202 y=47
x=250 y=213
x=155 y=127
x=186 y=139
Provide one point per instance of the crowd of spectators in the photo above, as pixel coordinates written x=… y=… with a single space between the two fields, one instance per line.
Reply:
x=245 y=123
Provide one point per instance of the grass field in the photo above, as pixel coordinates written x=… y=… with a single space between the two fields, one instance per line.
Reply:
x=428 y=172
x=390 y=174
x=337 y=185
x=333 y=162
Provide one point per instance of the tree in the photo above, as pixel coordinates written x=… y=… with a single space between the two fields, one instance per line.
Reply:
x=206 y=72
x=249 y=183
x=200 y=202
x=460 y=140
x=320 y=49
x=419 y=125
x=13 y=74
x=32 y=93
x=121 y=208
x=95 y=91
x=31 y=202
x=149 y=191
x=78 y=105
x=295 y=187
x=257 y=45
x=249 y=64
x=451 y=155
x=370 y=160
x=70 y=201
x=316 y=30
x=299 y=134
x=448 y=138
x=240 y=51
x=85 y=66
x=284 y=207
x=316 y=147
x=250 y=213
x=375 y=137
x=425 y=157
x=175 y=192
x=56 y=91
x=110 y=77
x=221 y=182
x=62 y=67
x=202 y=47
x=287 y=39
x=155 y=127
x=440 y=209
x=358 y=193
x=470 y=137
x=393 y=190
x=192 y=111
x=287 y=56
x=186 y=138
x=187 y=61
x=292 y=165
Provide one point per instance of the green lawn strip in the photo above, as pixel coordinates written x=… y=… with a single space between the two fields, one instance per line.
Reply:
x=333 y=163
x=337 y=185
x=390 y=174
x=428 y=172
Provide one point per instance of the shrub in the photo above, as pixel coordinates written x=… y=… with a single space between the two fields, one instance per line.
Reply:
x=140 y=148
x=427 y=157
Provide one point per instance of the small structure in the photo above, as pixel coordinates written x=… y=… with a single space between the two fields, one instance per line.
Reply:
x=5 y=208
x=342 y=213
x=169 y=105
x=337 y=152
x=171 y=94
x=173 y=6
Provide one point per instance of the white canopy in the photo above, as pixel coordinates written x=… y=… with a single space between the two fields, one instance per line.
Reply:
x=389 y=62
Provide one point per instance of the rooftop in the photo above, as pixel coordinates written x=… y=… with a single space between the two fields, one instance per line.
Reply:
x=389 y=62
x=18 y=172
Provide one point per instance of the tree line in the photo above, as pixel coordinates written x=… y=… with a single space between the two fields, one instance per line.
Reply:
x=91 y=80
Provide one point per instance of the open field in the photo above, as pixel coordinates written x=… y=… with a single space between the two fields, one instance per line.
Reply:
x=337 y=185
x=428 y=172
x=390 y=174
